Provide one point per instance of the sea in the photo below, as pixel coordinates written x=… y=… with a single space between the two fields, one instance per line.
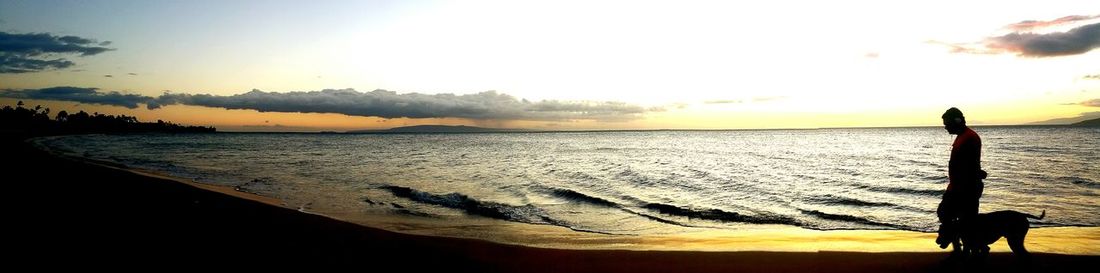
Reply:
x=628 y=182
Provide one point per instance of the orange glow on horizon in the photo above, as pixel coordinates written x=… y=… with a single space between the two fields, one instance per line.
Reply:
x=695 y=117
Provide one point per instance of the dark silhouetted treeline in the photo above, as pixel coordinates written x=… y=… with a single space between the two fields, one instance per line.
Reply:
x=37 y=121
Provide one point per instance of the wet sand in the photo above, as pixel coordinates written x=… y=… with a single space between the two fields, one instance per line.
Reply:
x=64 y=213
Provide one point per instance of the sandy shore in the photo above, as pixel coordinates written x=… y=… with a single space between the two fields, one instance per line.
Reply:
x=64 y=213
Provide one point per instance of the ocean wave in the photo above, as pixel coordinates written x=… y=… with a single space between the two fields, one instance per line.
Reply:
x=698 y=174
x=574 y=175
x=657 y=219
x=1081 y=181
x=139 y=162
x=845 y=201
x=405 y=211
x=525 y=213
x=257 y=185
x=936 y=178
x=720 y=215
x=925 y=192
x=851 y=219
x=592 y=200
x=1034 y=149
x=637 y=178
x=582 y=198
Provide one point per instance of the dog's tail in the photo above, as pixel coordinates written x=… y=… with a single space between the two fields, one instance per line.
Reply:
x=1037 y=218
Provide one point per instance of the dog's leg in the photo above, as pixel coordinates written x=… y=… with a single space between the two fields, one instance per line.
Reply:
x=1017 y=247
x=1023 y=258
x=1016 y=237
x=1016 y=243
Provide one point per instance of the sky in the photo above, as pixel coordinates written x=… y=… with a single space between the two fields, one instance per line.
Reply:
x=347 y=65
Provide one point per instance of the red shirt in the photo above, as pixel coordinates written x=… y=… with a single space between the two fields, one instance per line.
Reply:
x=966 y=156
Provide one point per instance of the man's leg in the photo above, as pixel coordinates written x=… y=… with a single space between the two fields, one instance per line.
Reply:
x=969 y=205
x=966 y=205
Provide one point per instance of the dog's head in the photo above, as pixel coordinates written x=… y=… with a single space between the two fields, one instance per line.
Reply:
x=947 y=234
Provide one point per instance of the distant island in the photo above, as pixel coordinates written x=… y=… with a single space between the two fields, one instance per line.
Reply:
x=36 y=121
x=437 y=129
x=1088 y=123
x=1083 y=117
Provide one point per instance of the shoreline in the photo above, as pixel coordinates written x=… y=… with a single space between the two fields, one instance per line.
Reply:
x=88 y=206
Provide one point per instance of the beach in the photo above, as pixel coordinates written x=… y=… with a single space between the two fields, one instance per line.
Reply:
x=65 y=212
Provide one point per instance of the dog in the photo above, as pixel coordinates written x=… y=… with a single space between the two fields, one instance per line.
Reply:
x=982 y=230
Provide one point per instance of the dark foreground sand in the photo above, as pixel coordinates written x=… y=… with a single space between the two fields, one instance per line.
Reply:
x=61 y=213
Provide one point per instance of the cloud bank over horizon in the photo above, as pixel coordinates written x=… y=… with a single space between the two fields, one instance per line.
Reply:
x=488 y=105
x=78 y=94
x=1075 y=41
x=34 y=52
x=1025 y=42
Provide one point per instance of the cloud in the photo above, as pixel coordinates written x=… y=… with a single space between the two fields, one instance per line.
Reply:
x=1092 y=103
x=488 y=105
x=78 y=94
x=722 y=101
x=971 y=48
x=1075 y=41
x=11 y=63
x=1033 y=24
x=753 y=99
x=35 y=44
x=33 y=52
x=1024 y=43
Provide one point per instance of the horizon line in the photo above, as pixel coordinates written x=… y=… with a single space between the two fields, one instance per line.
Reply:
x=525 y=130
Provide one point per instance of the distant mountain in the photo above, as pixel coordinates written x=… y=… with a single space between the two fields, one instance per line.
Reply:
x=438 y=129
x=1088 y=123
x=1064 y=121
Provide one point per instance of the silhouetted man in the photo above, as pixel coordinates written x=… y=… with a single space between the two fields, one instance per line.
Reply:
x=964 y=171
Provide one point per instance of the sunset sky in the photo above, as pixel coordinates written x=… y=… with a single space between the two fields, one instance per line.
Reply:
x=554 y=64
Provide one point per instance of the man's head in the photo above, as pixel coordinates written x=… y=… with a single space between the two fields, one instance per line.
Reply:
x=953 y=121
